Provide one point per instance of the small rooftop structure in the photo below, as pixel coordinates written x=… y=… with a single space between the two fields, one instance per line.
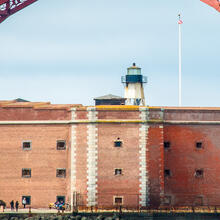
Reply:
x=109 y=100
x=21 y=100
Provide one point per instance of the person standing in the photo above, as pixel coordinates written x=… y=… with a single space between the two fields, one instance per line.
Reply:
x=24 y=202
x=16 y=206
x=12 y=205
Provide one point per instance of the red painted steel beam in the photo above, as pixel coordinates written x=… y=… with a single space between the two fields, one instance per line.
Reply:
x=9 y=7
x=3 y=1
x=213 y=3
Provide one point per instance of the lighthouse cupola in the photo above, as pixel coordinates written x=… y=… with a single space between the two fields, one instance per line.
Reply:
x=134 y=86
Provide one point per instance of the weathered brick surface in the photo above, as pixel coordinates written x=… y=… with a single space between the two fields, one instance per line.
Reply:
x=155 y=164
x=23 y=114
x=192 y=114
x=43 y=159
x=125 y=157
x=120 y=114
x=81 y=115
x=81 y=163
x=183 y=159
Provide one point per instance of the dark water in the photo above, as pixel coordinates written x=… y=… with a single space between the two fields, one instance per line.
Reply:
x=111 y=216
x=173 y=217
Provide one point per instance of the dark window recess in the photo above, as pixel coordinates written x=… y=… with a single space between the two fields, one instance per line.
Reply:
x=61 y=173
x=167 y=173
x=61 y=199
x=26 y=172
x=28 y=199
x=199 y=173
x=61 y=145
x=199 y=145
x=118 y=143
x=166 y=145
x=26 y=145
x=198 y=201
x=118 y=200
x=167 y=200
x=118 y=171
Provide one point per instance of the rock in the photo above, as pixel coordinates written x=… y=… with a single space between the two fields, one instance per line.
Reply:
x=66 y=217
x=52 y=217
x=78 y=217
x=100 y=217
x=115 y=216
x=59 y=217
x=108 y=218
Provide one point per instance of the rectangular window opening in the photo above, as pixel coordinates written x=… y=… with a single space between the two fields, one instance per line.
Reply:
x=167 y=200
x=118 y=172
x=118 y=143
x=167 y=145
x=61 y=199
x=198 y=201
x=118 y=200
x=27 y=198
x=167 y=173
x=199 y=173
x=26 y=173
x=61 y=145
x=26 y=145
x=61 y=173
x=199 y=145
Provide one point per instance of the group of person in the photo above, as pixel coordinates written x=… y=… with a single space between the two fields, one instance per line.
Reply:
x=60 y=205
x=14 y=205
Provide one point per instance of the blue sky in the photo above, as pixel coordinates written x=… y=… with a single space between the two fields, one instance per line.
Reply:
x=74 y=51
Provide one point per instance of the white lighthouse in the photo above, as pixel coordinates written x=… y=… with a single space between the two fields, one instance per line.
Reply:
x=134 y=86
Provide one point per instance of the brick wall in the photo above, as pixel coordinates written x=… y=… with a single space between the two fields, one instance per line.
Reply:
x=155 y=161
x=125 y=157
x=81 y=163
x=23 y=114
x=90 y=136
x=183 y=159
x=43 y=159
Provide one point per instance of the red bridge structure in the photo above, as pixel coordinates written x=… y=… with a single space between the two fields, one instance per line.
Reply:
x=213 y=3
x=9 y=7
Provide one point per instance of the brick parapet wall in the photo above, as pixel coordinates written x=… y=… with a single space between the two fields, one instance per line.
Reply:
x=191 y=115
x=38 y=112
x=27 y=114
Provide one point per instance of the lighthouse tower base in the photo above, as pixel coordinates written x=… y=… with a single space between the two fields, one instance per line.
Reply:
x=134 y=94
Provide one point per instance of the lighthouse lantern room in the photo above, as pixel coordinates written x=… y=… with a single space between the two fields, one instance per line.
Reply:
x=134 y=86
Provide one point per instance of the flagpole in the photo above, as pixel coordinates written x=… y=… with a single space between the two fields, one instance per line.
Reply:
x=180 y=63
